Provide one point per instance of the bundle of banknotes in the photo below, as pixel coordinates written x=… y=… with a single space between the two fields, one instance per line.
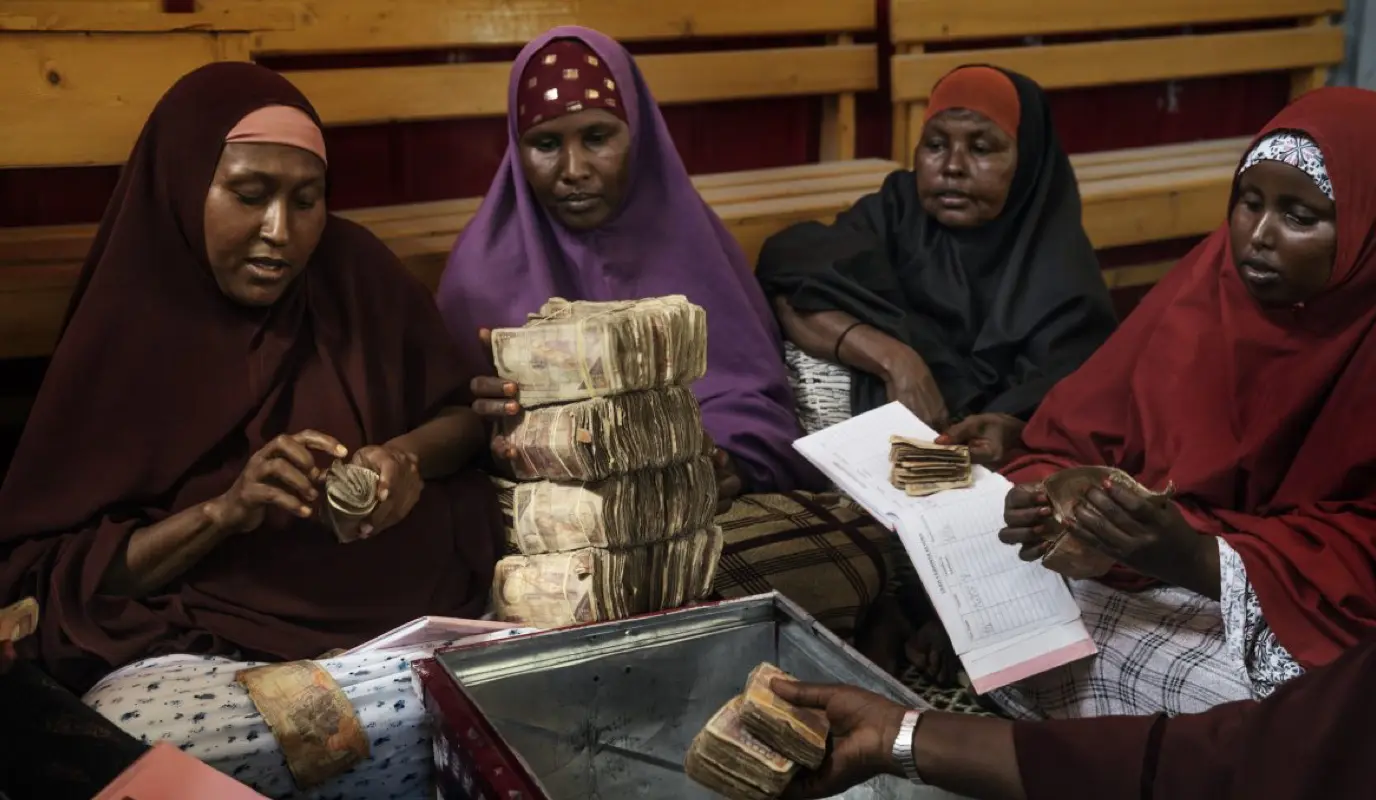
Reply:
x=921 y=468
x=598 y=584
x=578 y=350
x=18 y=620
x=351 y=496
x=594 y=439
x=1065 y=490
x=754 y=745
x=621 y=511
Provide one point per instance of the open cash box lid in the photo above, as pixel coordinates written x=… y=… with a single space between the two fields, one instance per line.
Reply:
x=608 y=710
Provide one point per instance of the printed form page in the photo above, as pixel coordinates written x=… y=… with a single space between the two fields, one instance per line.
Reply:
x=998 y=609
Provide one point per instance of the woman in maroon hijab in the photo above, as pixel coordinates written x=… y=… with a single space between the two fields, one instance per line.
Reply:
x=227 y=341
x=1245 y=380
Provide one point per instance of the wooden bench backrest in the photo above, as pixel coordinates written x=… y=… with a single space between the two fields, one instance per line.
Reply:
x=77 y=97
x=1307 y=47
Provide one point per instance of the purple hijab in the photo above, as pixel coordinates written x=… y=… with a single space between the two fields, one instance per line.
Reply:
x=513 y=257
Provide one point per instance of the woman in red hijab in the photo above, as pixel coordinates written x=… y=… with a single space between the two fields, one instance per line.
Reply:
x=1244 y=380
x=227 y=341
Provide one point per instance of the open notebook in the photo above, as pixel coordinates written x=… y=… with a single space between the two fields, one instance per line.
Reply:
x=1008 y=619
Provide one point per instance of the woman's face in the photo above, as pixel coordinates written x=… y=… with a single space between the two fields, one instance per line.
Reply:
x=1284 y=234
x=965 y=167
x=577 y=166
x=264 y=215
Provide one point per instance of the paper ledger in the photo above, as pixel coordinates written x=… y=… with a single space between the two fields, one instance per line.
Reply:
x=1007 y=619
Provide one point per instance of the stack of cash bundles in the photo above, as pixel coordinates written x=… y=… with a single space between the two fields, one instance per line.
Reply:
x=754 y=745
x=612 y=511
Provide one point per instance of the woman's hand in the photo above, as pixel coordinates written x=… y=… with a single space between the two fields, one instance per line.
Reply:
x=495 y=399
x=1026 y=512
x=910 y=382
x=281 y=474
x=729 y=482
x=1153 y=538
x=863 y=729
x=990 y=437
x=398 y=488
x=930 y=651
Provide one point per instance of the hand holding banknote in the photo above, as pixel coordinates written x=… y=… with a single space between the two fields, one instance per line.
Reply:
x=863 y=728
x=398 y=488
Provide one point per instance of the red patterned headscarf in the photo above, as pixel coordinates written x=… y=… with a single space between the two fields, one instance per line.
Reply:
x=565 y=77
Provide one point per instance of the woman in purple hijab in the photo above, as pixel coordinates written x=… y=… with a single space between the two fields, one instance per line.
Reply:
x=592 y=202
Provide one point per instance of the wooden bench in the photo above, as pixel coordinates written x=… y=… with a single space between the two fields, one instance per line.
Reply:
x=1142 y=194
x=73 y=109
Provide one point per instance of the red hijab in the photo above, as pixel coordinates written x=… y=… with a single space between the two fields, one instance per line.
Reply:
x=160 y=390
x=1261 y=418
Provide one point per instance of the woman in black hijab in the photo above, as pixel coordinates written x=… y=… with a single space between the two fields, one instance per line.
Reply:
x=964 y=289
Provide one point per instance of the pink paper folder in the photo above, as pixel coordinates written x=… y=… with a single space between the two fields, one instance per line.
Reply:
x=166 y=773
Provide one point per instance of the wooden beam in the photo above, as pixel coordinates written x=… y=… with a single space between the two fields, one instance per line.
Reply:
x=75 y=99
x=838 y=119
x=356 y=96
x=364 y=25
x=1144 y=209
x=1137 y=275
x=1132 y=61
x=119 y=16
x=946 y=20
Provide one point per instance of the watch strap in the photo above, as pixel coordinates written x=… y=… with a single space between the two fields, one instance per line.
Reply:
x=903 y=746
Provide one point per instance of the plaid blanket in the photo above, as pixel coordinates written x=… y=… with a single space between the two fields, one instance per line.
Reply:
x=1161 y=650
x=819 y=550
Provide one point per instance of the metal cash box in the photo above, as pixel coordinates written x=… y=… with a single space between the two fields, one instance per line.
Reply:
x=608 y=710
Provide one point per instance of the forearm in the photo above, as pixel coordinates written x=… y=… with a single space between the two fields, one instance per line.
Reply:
x=446 y=443
x=1202 y=574
x=864 y=347
x=968 y=755
x=154 y=556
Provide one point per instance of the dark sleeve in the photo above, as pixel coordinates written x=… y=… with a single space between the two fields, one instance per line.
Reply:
x=844 y=266
x=1313 y=739
x=435 y=376
x=1066 y=339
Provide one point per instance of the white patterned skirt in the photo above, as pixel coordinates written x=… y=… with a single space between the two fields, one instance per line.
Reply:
x=1162 y=650
x=196 y=703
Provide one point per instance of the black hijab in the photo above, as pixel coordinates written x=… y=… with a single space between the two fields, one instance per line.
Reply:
x=999 y=313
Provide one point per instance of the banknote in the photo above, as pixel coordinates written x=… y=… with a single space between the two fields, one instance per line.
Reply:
x=591 y=440
x=1065 y=490
x=621 y=511
x=595 y=584
x=350 y=497
x=18 y=620
x=578 y=350
x=799 y=734
x=729 y=760
x=921 y=468
x=313 y=721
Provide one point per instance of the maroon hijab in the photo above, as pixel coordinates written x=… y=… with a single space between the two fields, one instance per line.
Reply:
x=160 y=390
x=1260 y=418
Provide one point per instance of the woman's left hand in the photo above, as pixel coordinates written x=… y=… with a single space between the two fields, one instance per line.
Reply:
x=1150 y=537
x=398 y=490
x=990 y=437
x=729 y=483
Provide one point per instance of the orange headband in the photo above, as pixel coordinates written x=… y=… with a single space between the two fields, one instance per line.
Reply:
x=280 y=125
x=984 y=90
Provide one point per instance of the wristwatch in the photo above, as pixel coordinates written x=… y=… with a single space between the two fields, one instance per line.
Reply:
x=902 y=753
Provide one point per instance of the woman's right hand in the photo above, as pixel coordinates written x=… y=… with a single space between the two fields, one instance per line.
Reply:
x=282 y=474
x=495 y=399
x=909 y=381
x=1026 y=512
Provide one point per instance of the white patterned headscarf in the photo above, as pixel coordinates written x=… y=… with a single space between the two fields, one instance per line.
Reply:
x=1295 y=149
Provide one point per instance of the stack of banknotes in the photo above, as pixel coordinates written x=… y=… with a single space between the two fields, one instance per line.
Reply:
x=598 y=584
x=754 y=745
x=611 y=512
x=575 y=351
x=921 y=468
